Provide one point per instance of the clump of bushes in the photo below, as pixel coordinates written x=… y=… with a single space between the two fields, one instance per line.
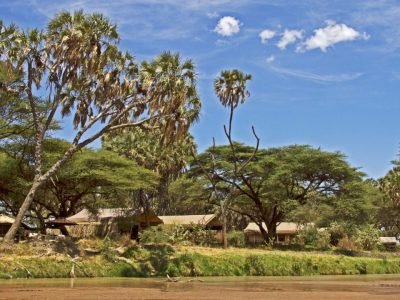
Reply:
x=367 y=237
x=312 y=237
x=177 y=234
x=236 y=239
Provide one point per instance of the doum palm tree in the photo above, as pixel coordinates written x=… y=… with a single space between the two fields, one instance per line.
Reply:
x=231 y=90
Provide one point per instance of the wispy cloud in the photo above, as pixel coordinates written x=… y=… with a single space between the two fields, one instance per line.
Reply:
x=314 y=77
x=142 y=19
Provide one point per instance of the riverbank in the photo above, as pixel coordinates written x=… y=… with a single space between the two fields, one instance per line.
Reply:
x=321 y=287
x=159 y=260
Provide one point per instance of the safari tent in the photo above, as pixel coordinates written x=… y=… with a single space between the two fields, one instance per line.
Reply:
x=111 y=220
x=210 y=221
x=285 y=232
x=6 y=222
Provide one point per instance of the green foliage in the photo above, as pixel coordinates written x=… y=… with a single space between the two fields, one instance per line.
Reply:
x=154 y=234
x=106 y=249
x=339 y=231
x=177 y=234
x=388 y=215
x=309 y=235
x=294 y=182
x=200 y=236
x=367 y=237
x=236 y=239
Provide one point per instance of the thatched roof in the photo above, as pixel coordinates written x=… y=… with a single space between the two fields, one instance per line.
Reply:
x=85 y=216
x=188 y=219
x=282 y=228
x=388 y=240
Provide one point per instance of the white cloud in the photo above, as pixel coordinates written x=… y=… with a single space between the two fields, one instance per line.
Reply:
x=212 y=15
x=289 y=37
x=318 y=78
x=270 y=59
x=266 y=35
x=330 y=35
x=227 y=26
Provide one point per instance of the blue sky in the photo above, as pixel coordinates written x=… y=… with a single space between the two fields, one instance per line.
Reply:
x=325 y=73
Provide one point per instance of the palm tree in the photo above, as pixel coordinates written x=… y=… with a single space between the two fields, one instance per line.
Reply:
x=167 y=77
x=231 y=90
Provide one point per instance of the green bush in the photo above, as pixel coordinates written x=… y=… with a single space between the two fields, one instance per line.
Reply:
x=339 y=231
x=367 y=237
x=323 y=241
x=236 y=238
x=154 y=234
x=310 y=236
x=198 y=235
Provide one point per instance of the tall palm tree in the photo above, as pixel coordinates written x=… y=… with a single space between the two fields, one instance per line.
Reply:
x=231 y=89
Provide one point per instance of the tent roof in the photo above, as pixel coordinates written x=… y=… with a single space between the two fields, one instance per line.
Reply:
x=60 y=222
x=103 y=213
x=6 y=219
x=387 y=239
x=282 y=228
x=188 y=219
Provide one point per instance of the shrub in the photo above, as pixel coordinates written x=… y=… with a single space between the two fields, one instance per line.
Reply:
x=178 y=234
x=306 y=235
x=236 y=238
x=347 y=246
x=107 y=250
x=310 y=236
x=323 y=241
x=154 y=234
x=198 y=235
x=339 y=231
x=367 y=237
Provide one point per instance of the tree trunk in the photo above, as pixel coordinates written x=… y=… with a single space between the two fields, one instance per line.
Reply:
x=9 y=237
x=64 y=231
x=224 y=221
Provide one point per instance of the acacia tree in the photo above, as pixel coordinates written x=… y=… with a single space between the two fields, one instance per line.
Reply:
x=278 y=181
x=77 y=65
x=90 y=178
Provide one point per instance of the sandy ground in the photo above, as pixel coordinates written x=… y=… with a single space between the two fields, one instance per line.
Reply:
x=232 y=290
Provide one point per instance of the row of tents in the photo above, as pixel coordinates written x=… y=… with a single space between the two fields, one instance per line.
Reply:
x=103 y=222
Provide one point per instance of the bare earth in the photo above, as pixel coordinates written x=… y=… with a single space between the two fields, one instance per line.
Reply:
x=232 y=289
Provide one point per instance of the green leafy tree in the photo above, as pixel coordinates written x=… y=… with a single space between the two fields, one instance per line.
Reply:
x=388 y=215
x=278 y=181
x=75 y=64
x=89 y=180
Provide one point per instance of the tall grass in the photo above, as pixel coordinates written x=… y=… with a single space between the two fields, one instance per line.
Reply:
x=160 y=260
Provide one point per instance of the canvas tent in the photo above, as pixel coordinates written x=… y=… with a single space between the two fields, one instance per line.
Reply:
x=109 y=220
x=389 y=242
x=6 y=222
x=285 y=232
x=207 y=221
